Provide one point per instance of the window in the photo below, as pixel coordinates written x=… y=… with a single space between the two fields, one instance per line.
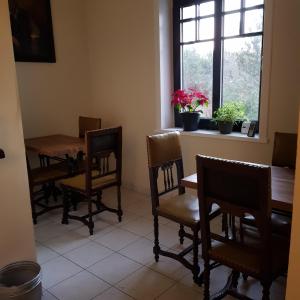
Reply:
x=218 y=48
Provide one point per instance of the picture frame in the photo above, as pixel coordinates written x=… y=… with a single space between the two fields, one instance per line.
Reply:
x=252 y=127
x=32 y=31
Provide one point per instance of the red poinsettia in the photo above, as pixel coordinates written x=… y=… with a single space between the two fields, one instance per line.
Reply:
x=190 y=100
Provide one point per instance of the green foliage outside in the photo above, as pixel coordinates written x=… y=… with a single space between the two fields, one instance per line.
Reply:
x=241 y=73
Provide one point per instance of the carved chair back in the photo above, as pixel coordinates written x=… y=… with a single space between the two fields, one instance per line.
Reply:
x=164 y=161
x=238 y=188
x=104 y=155
x=284 y=150
x=87 y=124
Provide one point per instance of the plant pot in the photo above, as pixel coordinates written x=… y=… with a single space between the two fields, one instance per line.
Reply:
x=225 y=127
x=190 y=120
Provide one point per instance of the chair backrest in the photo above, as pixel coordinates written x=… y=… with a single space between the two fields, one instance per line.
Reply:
x=164 y=152
x=102 y=146
x=87 y=124
x=284 y=150
x=238 y=188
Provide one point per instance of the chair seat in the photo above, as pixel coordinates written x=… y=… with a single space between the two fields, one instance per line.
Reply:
x=78 y=182
x=49 y=173
x=281 y=224
x=182 y=208
x=247 y=260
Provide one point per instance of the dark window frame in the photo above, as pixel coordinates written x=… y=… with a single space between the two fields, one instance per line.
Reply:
x=217 y=100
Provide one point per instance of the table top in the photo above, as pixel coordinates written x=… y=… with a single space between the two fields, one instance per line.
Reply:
x=282 y=187
x=55 y=145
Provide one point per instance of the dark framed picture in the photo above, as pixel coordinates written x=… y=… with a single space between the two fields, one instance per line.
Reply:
x=32 y=33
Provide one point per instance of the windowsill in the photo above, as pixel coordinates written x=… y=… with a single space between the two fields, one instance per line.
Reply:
x=215 y=134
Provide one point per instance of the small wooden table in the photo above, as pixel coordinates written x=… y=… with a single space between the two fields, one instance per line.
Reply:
x=282 y=187
x=55 y=145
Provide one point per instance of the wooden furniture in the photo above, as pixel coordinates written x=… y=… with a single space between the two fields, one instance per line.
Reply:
x=239 y=189
x=102 y=146
x=44 y=179
x=164 y=155
x=284 y=150
x=282 y=185
x=87 y=124
x=55 y=145
x=2 y=154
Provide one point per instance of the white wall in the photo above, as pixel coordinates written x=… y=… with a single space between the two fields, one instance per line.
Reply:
x=294 y=263
x=16 y=234
x=53 y=95
x=123 y=39
x=123 y=52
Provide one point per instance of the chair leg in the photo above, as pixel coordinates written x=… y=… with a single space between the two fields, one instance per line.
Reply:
x=66 y=207
x=196 y=268
x=206 y=280
x=90 y=222
x=235 y=279
x=181 y=234
x=156 y=247
x=98 y=202
x=120 y=212
x=33 y=211
x=266 y=290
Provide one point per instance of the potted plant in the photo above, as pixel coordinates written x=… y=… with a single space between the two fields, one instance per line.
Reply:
x=189 y=104
x=228 y=114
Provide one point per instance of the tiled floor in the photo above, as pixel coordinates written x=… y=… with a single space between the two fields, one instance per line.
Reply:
x=117 y=262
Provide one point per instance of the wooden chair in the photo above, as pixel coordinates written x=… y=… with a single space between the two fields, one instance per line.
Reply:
x=88 y=124
x=164 y=154
x=239 y=188
x=44 y=178
x=102 y=146
x=84 y=124
x=284 y=150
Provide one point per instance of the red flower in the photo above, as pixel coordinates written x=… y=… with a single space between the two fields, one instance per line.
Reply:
x=188 y=101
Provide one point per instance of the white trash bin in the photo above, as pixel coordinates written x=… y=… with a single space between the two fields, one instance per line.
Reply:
x=21 y=281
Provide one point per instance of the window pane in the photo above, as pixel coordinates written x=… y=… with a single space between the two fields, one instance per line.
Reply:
x=197 y=70
x=241 y=72
x=232 y=5
x=188 y=12
x=207 y=8
x=206 y=30
x=232 y=24
x=254 y=20
x=250 y=3
x=188 y=31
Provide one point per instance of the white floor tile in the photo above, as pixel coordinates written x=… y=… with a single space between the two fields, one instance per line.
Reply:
x=179 y=292
x=100 y=228
x=88 y=254
x=113 y=294
x=56 y=270
x=140 y=251
x=145 y=284
x=114 y=268
x=83 y=286
x=141 y=226
x=169 y=267
x=44 y=254
x=47 y=296
x=64 y=243
x=49 y=231
x=117 y=239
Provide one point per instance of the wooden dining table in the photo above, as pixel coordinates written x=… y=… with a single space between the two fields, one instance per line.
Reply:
x=282 y=187
x=56 y=145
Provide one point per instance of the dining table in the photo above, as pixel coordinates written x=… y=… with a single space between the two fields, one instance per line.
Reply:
x=282 y=187
x=55 y=145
